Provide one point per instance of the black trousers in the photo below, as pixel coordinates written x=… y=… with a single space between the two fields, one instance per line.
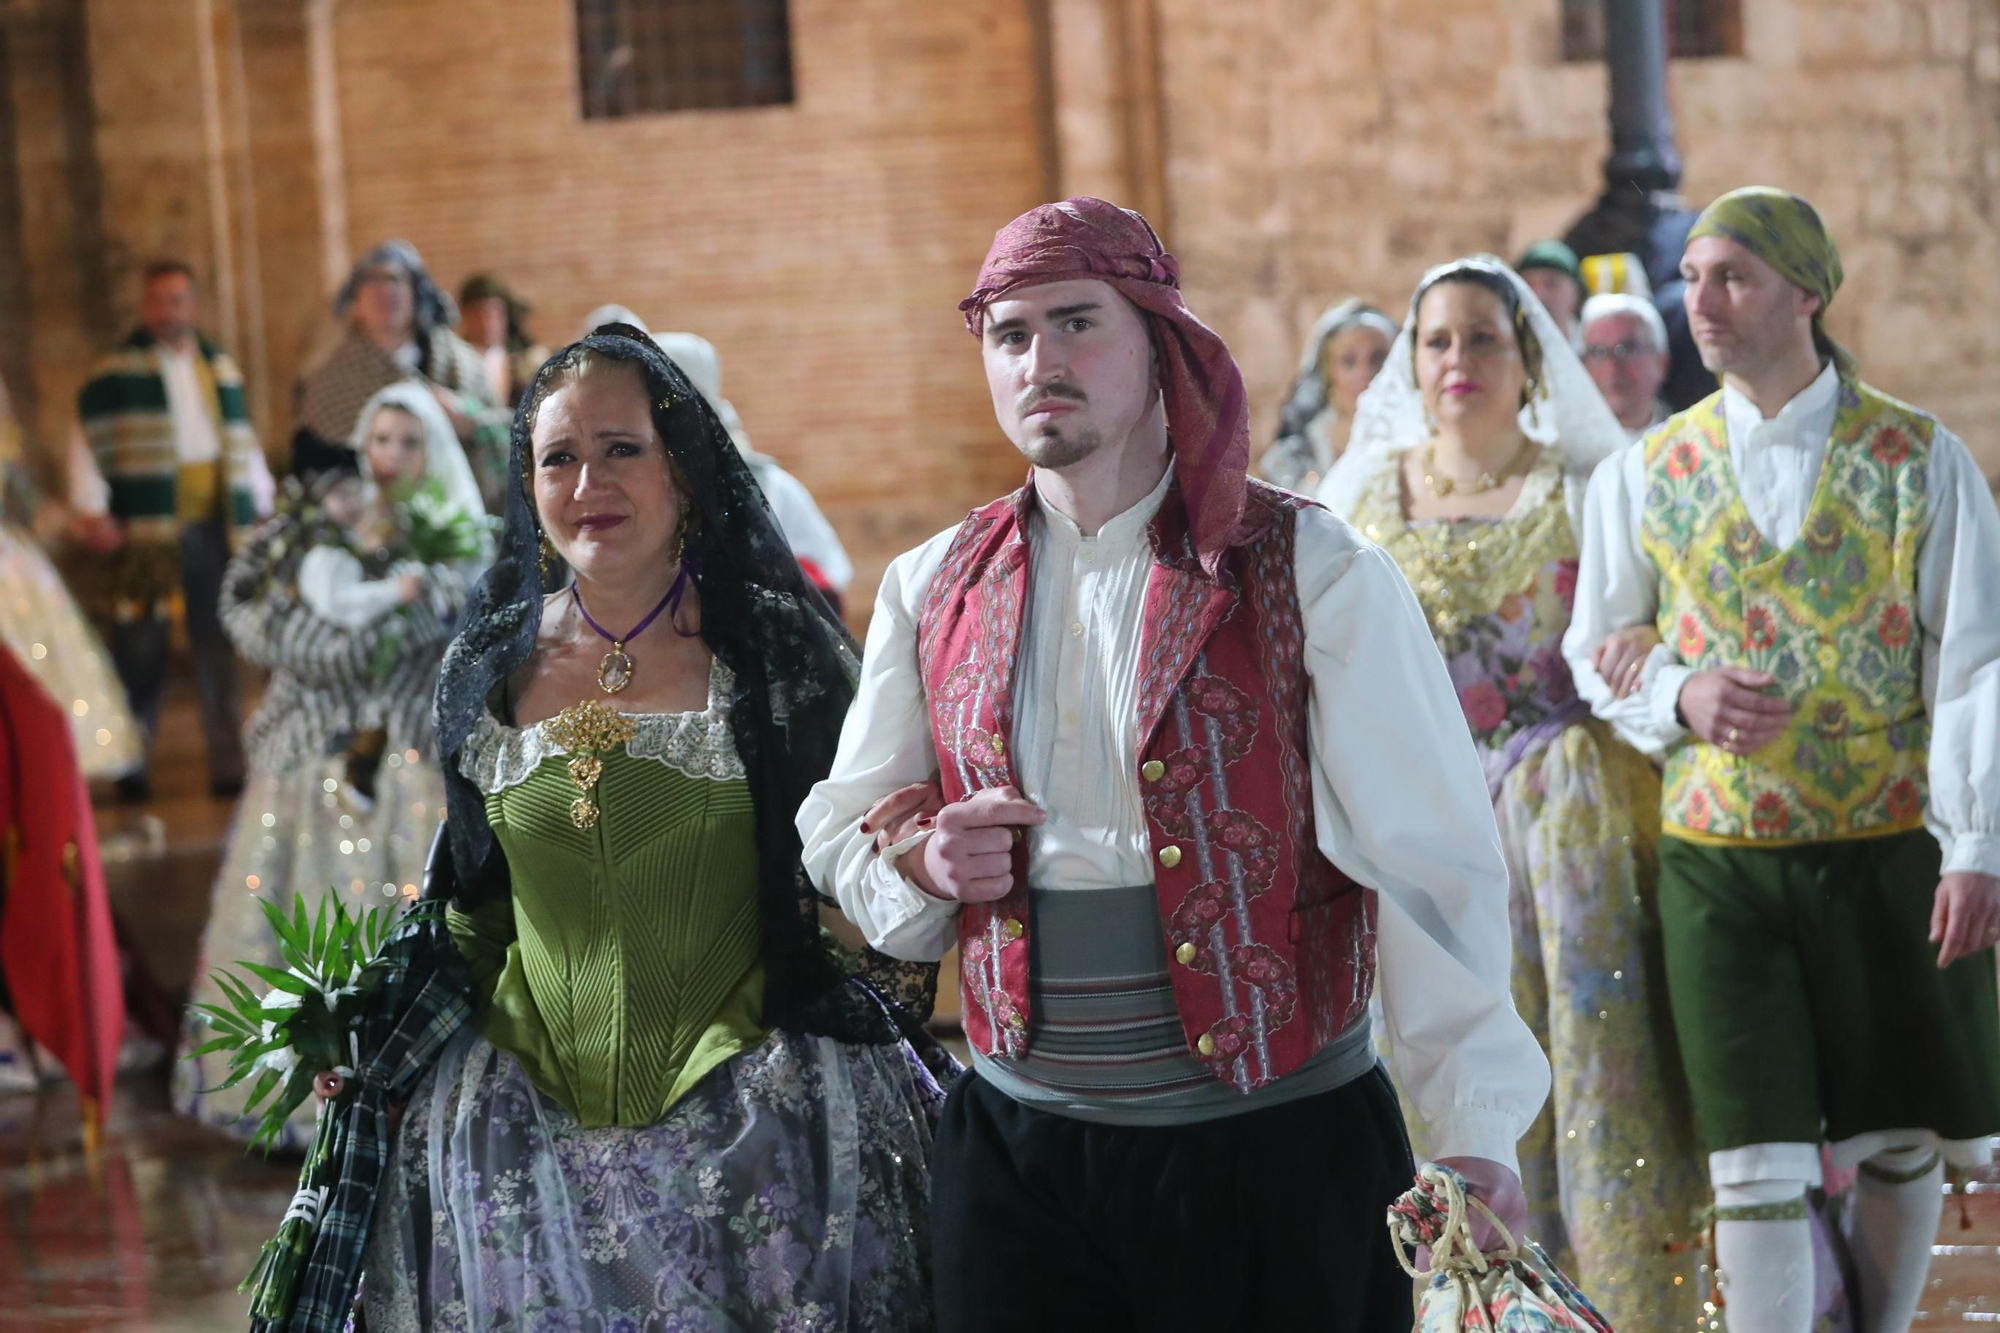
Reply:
x=139 y=652
x=1272 y=1220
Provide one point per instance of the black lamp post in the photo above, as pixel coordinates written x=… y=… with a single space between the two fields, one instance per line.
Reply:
x=1640 y=211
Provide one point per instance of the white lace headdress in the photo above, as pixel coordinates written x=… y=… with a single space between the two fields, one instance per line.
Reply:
x=1566 y=413
x=444 y=458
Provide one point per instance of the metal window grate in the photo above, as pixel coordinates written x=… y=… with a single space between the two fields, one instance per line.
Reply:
x=643 y=57
x=1695 y=28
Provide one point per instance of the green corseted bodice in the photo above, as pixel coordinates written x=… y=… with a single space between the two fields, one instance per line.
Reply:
x=627 y=964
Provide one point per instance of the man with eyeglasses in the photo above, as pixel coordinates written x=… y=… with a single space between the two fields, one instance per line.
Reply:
x=1625 y=350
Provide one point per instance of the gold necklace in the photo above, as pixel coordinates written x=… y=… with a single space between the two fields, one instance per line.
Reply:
x=1442 y=485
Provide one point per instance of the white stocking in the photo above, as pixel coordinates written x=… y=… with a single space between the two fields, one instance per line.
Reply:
x=1897 y=1201
x=1764 y=1256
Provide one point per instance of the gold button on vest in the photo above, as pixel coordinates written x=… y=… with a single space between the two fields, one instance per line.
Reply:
x=1185 y=954
x=1170 y=857
x=1013 y=928
x=1206 y=1045
x=1153 y=770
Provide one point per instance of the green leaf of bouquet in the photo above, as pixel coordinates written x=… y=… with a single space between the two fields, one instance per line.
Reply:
x=322 y=929
x=278 y=980
x=228 y=1027
x=210 y=1047
x=281 y=926
x=240 y=996
x=236 y=1076
x=262 y=1088
x=297 y=1088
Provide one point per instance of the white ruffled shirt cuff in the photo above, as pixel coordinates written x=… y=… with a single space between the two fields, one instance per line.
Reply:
x=1976 y=852
x=898 y=902
x=1663 y=691
x=1474 y=1131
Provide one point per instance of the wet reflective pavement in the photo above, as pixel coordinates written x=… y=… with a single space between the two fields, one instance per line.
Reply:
x=154 y=1232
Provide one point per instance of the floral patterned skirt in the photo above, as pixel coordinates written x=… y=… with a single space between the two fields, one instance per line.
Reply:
x=788 y=1191
x=1616 y=1179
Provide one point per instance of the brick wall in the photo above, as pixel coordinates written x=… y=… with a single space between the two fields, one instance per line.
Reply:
x=1316 y=150
x=1305 y=150
x=822 y=247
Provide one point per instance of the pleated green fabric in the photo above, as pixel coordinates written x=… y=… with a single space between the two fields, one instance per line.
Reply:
x=627 y=965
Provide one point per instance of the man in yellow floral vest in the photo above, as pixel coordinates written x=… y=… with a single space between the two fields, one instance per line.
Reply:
x=1822 y=564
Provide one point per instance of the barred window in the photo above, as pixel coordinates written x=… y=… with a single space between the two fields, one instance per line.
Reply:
x=643 y=57
x=1694 y=28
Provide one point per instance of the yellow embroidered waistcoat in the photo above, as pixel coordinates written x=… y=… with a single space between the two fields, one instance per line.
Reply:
x=1833 y=618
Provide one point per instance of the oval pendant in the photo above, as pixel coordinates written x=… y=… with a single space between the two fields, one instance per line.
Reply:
x=614 y=672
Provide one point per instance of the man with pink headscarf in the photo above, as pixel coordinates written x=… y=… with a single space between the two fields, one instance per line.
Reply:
x=1169 y=754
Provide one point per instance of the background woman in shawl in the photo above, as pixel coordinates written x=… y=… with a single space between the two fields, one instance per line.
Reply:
x=1344 y=352
x=396 y=325
x=702 y=1120
x=336 y=598
x=495 y=323
x=1467 y=464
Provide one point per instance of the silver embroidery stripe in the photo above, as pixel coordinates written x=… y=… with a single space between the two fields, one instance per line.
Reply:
x=965 y=777
x=1003 y=1037
x=1206 y=859
x=1239 y=896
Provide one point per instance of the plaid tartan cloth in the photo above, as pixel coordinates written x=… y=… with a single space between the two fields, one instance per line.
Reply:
x=425 y=999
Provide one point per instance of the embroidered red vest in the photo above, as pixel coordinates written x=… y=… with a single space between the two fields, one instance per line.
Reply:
x=1272 y=949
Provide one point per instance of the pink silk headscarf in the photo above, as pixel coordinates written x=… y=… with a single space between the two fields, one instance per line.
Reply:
x=1208 y=416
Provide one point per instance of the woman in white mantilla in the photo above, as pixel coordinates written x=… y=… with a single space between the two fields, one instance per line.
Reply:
x=1467 y=463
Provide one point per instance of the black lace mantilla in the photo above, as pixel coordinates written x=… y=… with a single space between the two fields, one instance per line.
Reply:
x=795 y=667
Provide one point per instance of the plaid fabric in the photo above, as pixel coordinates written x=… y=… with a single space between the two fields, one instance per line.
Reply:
x=426 y=998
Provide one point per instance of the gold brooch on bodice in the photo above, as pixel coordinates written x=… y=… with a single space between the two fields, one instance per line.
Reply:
x=587 y=730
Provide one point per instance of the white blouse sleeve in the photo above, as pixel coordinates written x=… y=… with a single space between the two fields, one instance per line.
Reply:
x=263 y=486
x=89 y=493
x=332 y=586
x=1958 y=601
x=1400 y=805
x=1615 y=590
x=884 y=744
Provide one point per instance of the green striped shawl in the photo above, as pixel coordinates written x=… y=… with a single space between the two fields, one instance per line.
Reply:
x=123 y=408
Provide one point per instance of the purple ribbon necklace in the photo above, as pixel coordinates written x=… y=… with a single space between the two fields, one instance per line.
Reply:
x=614 y=672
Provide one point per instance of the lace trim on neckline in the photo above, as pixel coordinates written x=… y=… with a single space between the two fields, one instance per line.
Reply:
x=496 y=757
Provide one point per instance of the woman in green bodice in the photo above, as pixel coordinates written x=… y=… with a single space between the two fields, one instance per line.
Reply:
x=679 y=1104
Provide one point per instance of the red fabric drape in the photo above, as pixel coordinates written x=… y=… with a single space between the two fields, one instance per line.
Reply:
x=58 y=951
